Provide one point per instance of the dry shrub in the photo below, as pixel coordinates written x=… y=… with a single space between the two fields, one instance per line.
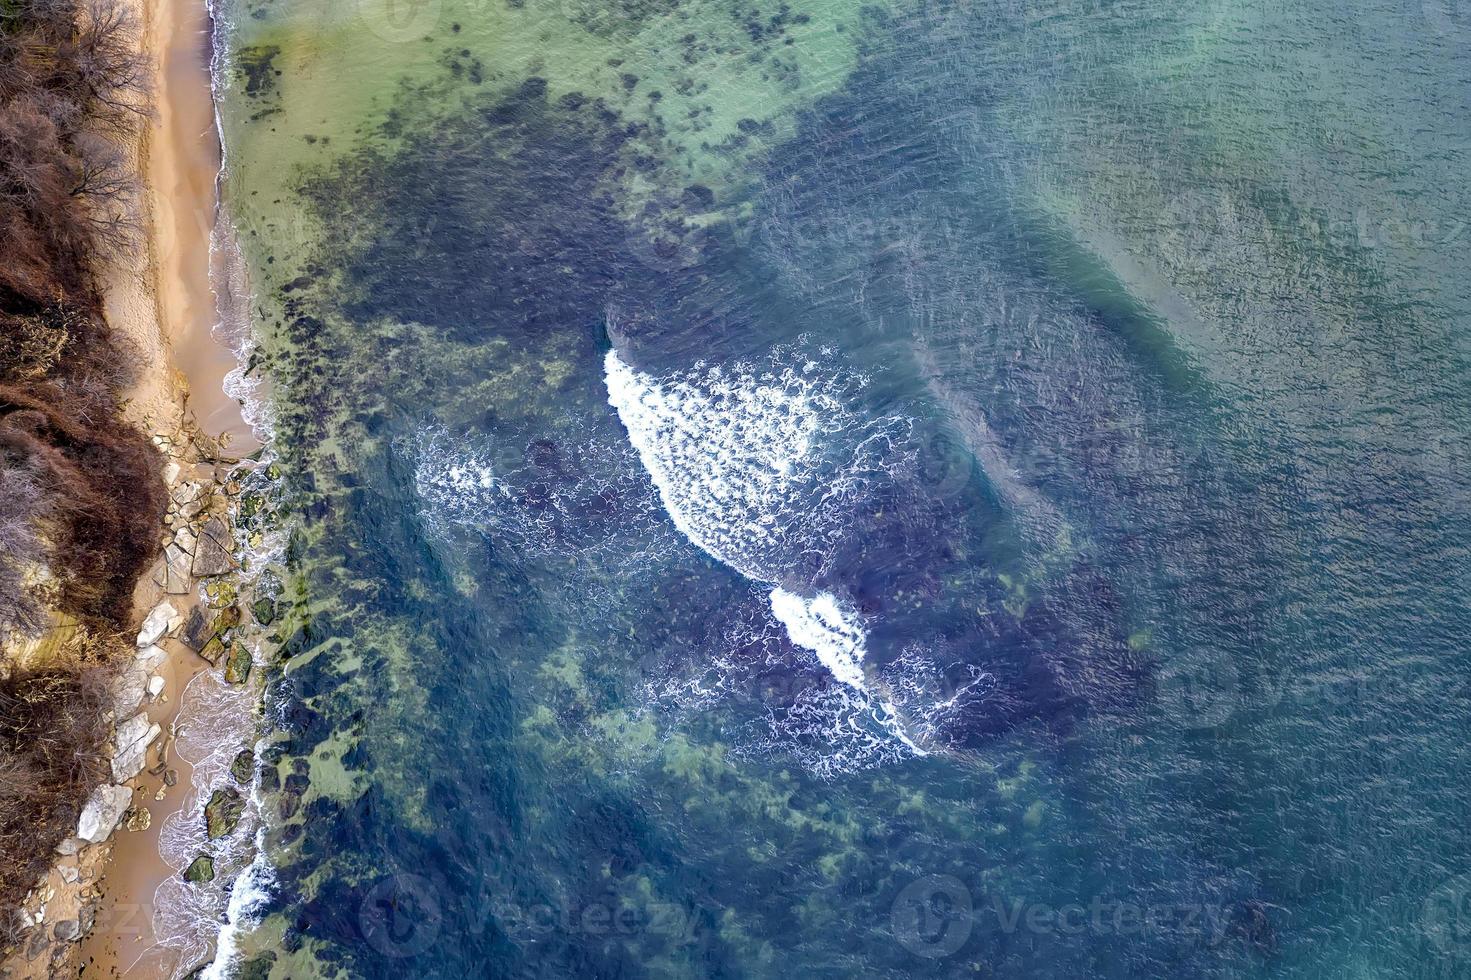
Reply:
x=52 y=724
x=103 y=499
x=80 y=494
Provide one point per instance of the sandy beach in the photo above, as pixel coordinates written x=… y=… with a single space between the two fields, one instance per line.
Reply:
x=162 y=301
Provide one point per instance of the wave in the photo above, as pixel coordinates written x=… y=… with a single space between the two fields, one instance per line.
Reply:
x=761 y=470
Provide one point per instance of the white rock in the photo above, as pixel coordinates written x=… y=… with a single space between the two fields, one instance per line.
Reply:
x=171 y=472
x=68 y=872
x=176 y=568
x=155 y=686
x=186 y=539
x=69 y=846
x=133 y=738
x=150 y=657
x=127 y=689
x=157 y=623
x=104 y=808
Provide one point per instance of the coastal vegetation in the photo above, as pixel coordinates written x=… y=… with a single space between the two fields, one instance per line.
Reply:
x=80 y=491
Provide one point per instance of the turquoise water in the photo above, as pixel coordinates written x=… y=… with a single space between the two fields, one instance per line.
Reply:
x=913 y=489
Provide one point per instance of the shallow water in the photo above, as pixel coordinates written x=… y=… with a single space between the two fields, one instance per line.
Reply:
x=918 y=489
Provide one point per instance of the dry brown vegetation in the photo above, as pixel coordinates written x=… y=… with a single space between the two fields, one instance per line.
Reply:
x=80 y=495
x=52 y=723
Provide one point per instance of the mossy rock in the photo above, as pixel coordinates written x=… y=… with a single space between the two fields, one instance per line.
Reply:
x=220 y=594
x=214 y=651
x=237 y=665
x=223 y=812
x=243 y=766
x=200 y=870
x=250 y=505
x=228 y=619
x=264 y=611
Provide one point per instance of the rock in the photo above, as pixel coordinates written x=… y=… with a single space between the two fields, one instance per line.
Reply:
x=243 y=767
x=37 y=945
x=188 y=492
x=103 y=809
x=223 y=811
x=264 y=611
x=197 y=630
x=186 y=539
x=170 y=472
x=67 y=930
x=176 y=570
x=171 y=777
x=150 y=657
x=133 y=738
x=212 y=554
x=68 y=872
x=201 y=869
x=213 y=651
x=128 y=688
x=237 y=665
x=157 y=623
x=155 y=686
x=69 y=846
x=138 y=819
x=220 y=593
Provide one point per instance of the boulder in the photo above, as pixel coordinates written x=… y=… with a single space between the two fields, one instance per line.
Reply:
x=154 y=686
x=133 y=738
x=237 y=665
x=176 y=570
x=197 y=629
x=243 y=767
x=150 y=657
x=214 y=651
x=200 y=870
x=138 y=819
x=223 y=811
x=67 y=930
x=212 y=553
x=128 y=688
x=158 y=622
x=186 y=539
x=103 y=809
x=264 y=610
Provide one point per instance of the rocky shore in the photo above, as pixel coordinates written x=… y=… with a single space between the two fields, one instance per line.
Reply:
x=190 y=627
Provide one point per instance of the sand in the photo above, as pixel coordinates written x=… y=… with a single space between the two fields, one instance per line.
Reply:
x=161 y=301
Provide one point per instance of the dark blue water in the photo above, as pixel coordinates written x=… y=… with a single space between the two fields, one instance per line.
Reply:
x=1000 y=511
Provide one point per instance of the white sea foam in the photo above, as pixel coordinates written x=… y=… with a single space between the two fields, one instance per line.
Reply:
x=760 y=470
x=756 y=467
x=820 y=625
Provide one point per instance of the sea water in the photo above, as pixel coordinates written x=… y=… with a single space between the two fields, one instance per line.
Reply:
x=809 y=488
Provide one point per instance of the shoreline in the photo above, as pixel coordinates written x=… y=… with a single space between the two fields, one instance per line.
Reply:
x=166 y=304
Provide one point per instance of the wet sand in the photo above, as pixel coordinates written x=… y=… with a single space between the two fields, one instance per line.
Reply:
x=165 y=305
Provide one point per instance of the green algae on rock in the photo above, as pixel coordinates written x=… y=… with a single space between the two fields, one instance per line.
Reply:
x=223 y=812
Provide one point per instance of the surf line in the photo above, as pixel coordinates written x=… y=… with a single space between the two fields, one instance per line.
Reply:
x=733 y=457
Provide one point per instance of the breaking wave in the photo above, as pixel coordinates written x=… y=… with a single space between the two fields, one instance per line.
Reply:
x=761 y=470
